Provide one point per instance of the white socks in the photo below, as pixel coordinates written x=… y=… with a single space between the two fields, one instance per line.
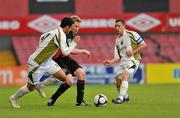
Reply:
x=123 y=89
x=21 y=92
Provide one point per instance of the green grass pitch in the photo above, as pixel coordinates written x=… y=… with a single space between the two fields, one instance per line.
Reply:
x=147 y=101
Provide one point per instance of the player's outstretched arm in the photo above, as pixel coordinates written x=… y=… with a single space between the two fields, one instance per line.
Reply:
x=76 y=51
x=110 y=62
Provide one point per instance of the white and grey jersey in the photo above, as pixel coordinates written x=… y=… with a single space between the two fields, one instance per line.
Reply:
x=49 y=44
x=128 y=41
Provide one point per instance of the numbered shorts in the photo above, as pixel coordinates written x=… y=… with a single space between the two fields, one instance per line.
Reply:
x=36 y=72
x=129 y=66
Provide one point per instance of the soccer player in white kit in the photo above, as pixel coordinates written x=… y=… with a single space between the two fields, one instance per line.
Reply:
x=127 y=53
x=40 y=62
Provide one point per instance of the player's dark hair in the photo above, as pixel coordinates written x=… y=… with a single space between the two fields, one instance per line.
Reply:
x=66 y=21
x=121 y=20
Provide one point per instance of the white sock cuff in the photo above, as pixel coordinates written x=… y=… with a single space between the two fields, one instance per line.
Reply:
x=125 y=83
x=124 y=88
x=21 y=92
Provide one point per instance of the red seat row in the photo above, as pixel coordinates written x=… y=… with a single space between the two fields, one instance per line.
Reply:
x=102 y=47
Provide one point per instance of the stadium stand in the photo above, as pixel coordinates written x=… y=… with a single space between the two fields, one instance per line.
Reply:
x=7 y=58
x=24 y=47
x=101 y=47
x=160 y=48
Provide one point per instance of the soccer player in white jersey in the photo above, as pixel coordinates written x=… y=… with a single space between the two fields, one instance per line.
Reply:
x=127 y=53
x=40 y=61
x=70 y=66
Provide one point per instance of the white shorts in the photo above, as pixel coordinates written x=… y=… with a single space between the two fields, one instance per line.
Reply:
x=129 y=66
x=36 y=72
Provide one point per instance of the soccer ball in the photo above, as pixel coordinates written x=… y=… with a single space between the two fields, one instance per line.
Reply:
x=100 y=100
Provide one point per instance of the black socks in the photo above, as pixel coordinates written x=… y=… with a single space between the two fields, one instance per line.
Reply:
x=60 y=91
x=80 y=91
x=65 y=86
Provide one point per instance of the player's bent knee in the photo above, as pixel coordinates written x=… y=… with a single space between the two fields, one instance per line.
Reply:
x=69 y=82
x=30 y=87
x=60 y=75
x=69 y=79
x=125 y=76
x=80 y=74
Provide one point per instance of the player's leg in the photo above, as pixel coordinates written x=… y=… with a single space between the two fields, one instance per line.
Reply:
x=77 y=70
x=118 y=83
x=125 y=76
x=68 y=81
x=40 y=86
x=80 y=87
x=20 y=93
x=123 y=87
x=64 y=75
x=33 y=74
x=51 y=79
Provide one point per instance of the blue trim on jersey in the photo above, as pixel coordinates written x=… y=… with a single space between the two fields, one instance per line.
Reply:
x=139 y=40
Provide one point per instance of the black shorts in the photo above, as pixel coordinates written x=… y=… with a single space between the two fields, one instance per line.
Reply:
x=68 y=64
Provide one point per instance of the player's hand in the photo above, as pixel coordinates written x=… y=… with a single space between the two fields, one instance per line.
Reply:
x=86 y=52
x=76 y=39
x=130 y=53
x=107 y=62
